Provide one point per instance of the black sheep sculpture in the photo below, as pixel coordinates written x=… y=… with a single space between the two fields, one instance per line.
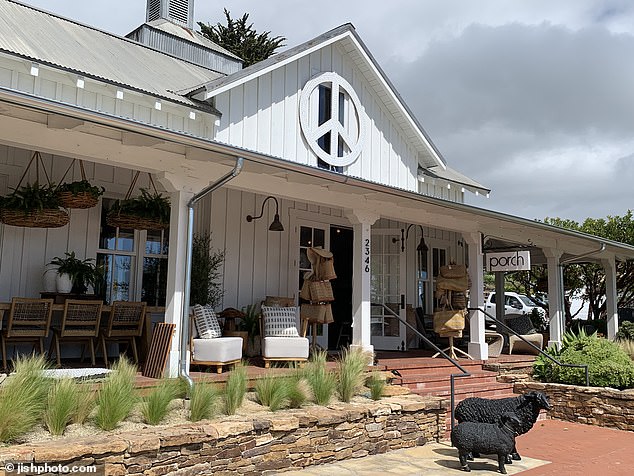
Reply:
x=488 y=438
x=526 y=407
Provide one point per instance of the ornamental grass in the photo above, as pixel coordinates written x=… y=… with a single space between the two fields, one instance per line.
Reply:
x=117 y=396
x=203 y=401
x=235 y=389
x=61 y=407
x=155 y=406
x=351 y=373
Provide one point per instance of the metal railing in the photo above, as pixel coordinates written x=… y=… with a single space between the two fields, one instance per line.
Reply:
x=452 y=377
x=541 y=352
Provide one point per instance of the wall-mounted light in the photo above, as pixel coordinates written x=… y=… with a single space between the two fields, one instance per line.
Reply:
x=421 y=249
x=276 y=225
x=35 y=69
x=80 y=83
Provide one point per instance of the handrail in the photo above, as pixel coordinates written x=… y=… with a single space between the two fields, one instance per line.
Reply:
x=541 y=352
x=452 y=377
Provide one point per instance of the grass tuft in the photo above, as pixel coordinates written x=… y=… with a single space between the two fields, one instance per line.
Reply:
x=235 y=388
x=23 y=397
x=376 y=384
x=116 y=398
x=63 y=400
x=351 y=370
x=154 y=407
x=322 y=382
x=203 y=401
x=273 y=391
x=298 y=392
x=86 y=403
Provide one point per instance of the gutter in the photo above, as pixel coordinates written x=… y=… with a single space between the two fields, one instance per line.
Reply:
x=584 y=255
x=185 y=321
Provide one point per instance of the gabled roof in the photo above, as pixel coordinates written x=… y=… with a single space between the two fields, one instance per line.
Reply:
x=450 y=175
x=346 y=34
x=46 y=38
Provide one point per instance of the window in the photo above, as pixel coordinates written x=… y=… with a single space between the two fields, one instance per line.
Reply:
x=323 y=116
x=134 y=262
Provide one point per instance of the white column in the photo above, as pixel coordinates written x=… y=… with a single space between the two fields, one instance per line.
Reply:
x=478 y=348
x=556 y=312
x=362 y=221
x=609 y=266
x=176 y=262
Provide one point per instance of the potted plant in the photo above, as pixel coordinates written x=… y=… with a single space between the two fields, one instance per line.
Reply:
x=74 y=275
x=79 y=194
x=148 y=211
x=250 y=323
x=33 y=205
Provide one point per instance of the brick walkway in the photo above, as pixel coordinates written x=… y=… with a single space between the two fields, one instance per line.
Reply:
x=552 y=447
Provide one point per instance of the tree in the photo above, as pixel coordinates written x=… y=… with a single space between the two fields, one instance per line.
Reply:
x=592 y=276
x=242 y=39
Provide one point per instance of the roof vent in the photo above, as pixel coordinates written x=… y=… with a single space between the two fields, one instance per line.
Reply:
x=180 y=12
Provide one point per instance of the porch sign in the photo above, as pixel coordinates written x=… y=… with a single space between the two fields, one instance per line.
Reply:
x=508 y=261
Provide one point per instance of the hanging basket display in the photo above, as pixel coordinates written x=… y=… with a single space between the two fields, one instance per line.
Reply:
x=79 y=194
x=149 y=211
x=45 y=218
x=33 y=205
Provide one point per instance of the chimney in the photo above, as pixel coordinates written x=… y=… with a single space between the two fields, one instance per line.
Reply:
x=180 y=12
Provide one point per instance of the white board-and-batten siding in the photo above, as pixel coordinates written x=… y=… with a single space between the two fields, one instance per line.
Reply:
x=263 y=115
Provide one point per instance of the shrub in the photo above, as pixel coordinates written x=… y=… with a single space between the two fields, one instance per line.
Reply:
x=155 y=405
x=627 y=346
x=23 y=397
x=376 y=384
x=116 y=398
x=626 y=331
x=322 y=382
x=273 y=391
x=203 y=400
x=351 y=371
x=298 y=392
x=235 y=389
x=608 y=364
x=63 y=398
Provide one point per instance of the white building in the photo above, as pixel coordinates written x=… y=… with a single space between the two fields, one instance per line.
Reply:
x=319 y=127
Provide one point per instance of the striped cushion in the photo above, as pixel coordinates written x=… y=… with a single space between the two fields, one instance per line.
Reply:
x=206 y=322
x=280 y=321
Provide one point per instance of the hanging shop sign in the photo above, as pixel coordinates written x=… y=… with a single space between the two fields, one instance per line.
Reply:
x=508 y=261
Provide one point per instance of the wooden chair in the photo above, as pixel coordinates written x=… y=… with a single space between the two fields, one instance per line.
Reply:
x=125 y=324
x=80 y=324
x=216 y=351
x=29 y=322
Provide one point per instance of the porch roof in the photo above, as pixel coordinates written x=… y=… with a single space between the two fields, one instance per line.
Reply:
x=267 y=174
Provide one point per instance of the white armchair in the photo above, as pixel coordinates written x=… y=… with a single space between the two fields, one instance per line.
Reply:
x=211 y=349
x=280 y=339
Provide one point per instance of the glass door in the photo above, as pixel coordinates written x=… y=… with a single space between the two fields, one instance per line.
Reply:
x=312 y=234
x=387 y=288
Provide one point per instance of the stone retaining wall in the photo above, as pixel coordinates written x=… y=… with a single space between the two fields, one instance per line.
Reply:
x=591 y=405
x=263 y=444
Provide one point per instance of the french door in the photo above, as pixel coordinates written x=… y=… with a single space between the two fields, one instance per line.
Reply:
x=387 y=289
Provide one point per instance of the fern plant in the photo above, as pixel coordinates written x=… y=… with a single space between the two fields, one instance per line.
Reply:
x=147 y=205
x=32 y=197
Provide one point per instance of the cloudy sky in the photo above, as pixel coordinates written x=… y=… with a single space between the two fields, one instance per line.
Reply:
x=532 y=98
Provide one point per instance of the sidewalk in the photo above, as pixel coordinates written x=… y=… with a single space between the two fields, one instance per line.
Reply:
x=552 y=447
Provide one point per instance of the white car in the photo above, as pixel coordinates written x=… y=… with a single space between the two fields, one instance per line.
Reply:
x=514 y=303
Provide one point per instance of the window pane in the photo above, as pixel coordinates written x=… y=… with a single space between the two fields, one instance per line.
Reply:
x=153 y=242
x=305 y=236
x=304 y=262
x=105 y=263
x=325 y=104
x=320 y=237
x=154 y=281
x=121 y=278
x=126 y=240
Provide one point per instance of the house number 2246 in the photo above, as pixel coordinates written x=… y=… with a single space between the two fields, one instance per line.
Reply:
x=366 y=255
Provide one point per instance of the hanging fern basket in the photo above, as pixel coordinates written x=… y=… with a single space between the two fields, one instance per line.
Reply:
x=149 y=211
x=45 y=218
x=33 y=205
x=80 y=194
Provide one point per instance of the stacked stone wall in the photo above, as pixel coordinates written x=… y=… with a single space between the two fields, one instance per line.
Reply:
x=266 y=443
x=590 y=405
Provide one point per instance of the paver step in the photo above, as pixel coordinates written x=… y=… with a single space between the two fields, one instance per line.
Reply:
x=440 y=374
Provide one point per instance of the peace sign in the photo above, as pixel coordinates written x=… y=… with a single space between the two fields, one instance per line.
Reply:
x=344 y=131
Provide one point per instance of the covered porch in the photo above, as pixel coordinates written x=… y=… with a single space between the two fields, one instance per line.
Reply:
x=313 y=202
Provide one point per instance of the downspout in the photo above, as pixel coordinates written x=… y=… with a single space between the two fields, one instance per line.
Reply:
x=182 y=367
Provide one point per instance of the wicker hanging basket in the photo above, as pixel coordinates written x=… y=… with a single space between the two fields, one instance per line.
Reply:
x=122 y=218
x=14 y=212
x=78 y=199
x=45 y=218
